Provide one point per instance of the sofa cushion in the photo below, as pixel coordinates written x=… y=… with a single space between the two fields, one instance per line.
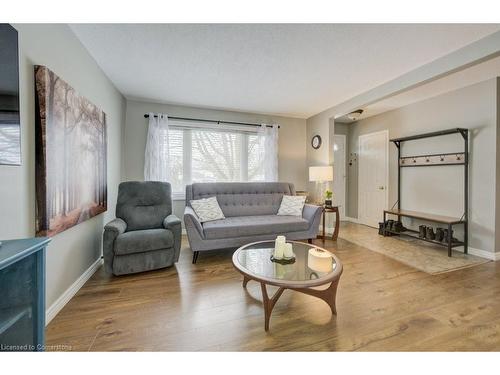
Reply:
x=207 y=209
x=139 y=241
x=292 y=205
x=239 y=226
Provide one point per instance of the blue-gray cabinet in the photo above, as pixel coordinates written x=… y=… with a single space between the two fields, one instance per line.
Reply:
x=22 y=294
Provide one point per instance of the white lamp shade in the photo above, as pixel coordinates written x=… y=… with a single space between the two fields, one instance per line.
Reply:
x=321 y=173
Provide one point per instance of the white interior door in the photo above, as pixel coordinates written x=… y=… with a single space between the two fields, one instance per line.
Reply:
x=339 y=175
x=373 y=177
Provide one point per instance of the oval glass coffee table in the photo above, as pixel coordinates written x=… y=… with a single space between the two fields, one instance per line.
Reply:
x=254 y=262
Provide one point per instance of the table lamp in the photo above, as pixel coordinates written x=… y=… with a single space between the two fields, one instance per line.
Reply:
x=321 y=175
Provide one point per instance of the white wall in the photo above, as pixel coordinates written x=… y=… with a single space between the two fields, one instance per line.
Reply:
x=73 y=251
x=440 y=189
x=318 y=125
x=292 y=140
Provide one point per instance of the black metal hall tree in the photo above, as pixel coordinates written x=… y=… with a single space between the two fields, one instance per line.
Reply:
x=434 y=160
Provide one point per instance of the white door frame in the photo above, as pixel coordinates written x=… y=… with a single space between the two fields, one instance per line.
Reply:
x=360 y=158
x=344 y=203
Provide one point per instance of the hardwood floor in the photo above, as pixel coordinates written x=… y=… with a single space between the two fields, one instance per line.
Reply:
x=382 y=305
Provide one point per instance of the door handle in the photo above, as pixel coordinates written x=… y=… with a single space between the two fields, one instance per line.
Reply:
x=381 y=188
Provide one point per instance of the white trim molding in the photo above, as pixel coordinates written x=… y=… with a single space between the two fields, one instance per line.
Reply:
x=483 y=253
x=351 y=219
x=58 y=305
x=342 y=219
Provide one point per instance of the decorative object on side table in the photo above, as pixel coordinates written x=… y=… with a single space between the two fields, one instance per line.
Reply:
x=328 y=198
x=321 y=175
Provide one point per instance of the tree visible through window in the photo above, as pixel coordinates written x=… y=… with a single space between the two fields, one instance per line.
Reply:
x=207 y=155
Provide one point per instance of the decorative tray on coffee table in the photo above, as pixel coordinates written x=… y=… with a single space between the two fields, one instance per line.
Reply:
x=283 y=260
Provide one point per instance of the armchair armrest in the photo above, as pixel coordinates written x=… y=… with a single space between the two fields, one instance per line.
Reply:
x=111 y=231
x=173 y=224
x=118 y=226
x=171 y=221
x=191 y=221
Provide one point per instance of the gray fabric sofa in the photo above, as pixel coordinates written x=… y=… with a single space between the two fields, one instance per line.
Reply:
x=145 y=235
x=250 y=210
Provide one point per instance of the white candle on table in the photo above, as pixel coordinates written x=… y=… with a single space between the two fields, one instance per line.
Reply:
x=279 y=247
x=288 y=253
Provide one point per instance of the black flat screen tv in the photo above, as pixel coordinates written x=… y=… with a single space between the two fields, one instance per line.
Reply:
x=10 y=124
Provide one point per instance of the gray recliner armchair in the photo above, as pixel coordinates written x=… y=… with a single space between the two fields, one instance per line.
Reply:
x=145 y=235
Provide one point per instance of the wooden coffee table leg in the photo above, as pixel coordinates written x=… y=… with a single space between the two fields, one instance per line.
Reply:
x=329 y=295
x=269 y=303
x=245 y=281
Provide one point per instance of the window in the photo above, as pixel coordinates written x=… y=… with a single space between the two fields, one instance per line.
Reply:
x=207 y=154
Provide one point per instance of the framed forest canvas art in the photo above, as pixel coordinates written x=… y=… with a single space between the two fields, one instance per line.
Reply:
x=71 y=176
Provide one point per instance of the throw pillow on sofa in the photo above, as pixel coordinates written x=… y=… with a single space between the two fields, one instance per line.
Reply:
x=207 y=209
x=292 y=205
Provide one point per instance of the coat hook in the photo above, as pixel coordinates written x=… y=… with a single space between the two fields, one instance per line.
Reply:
x=441 y=158
x=458 y=157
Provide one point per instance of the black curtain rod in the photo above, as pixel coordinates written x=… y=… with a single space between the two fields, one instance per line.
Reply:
x=212 y=121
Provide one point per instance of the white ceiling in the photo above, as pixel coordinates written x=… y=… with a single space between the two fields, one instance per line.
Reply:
x=295 y=70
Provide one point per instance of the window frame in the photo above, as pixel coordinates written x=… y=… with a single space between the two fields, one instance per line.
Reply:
x=187 y=148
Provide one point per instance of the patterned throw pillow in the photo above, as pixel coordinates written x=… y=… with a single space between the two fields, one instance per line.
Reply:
x=292 y=205
x=207 y=209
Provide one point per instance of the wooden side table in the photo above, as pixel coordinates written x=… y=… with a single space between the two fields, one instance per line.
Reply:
x=333 y=209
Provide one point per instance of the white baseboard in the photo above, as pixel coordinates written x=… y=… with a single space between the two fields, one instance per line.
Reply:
x=57 y=306
x=345 y=218
x=351 y=219
x=484 y=254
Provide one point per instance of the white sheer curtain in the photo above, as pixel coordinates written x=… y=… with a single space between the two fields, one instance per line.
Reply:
x=269 y=139
x=156 y=154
